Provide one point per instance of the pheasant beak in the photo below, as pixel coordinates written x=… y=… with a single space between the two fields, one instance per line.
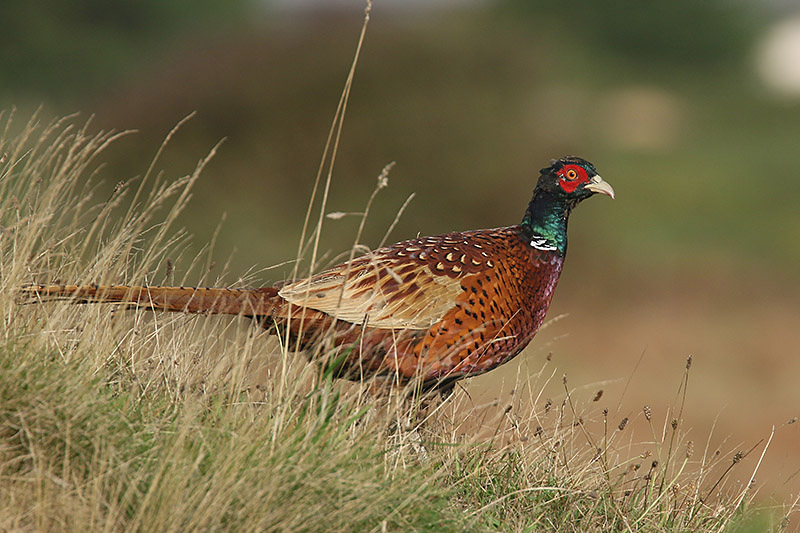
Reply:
x=596 y=184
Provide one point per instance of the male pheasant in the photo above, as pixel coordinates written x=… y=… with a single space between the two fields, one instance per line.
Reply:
x=433 y=309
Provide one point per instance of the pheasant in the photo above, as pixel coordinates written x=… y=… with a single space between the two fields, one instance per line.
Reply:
x=432 y=310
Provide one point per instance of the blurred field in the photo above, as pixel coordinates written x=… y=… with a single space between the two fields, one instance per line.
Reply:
x=698 y=255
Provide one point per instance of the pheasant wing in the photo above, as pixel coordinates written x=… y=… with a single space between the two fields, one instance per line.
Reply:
x=379 y=290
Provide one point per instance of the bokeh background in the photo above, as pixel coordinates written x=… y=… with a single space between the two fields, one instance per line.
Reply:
x=691 y=110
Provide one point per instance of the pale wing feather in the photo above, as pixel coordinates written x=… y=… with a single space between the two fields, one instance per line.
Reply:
x=376 y=295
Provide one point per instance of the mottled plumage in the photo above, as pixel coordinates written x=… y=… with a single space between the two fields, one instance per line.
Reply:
x=435 y=308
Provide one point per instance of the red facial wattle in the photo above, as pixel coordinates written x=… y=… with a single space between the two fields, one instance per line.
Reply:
x=571 y=176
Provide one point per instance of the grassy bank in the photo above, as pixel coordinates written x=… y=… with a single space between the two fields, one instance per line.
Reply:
x=114 y=419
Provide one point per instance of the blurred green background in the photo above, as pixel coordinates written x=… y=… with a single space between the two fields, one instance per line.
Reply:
x=691 y=110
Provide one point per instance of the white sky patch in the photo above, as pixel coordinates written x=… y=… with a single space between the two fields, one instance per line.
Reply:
x=778 y=58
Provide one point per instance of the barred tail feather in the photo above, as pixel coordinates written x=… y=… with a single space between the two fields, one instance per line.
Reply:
x=248 y=302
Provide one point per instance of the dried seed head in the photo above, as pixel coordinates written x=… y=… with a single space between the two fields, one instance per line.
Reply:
x=598 y=395
x=383 y=178
x=507 y=409
x=654 y=464
x=538 y=431
x=737 y=457
x=648 y=413
x=623 y=423
x=688 y=362
x=549 y=356
x=792 y=420
x=674 y=423
x=605 y=411
x=118 y=186
x=170 y=267
x=548 y=403
x=645 y=454
x=637 y=466
x=564 y=379
x=689 y=449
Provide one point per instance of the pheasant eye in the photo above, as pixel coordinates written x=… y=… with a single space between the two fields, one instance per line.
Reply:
x=572 y=174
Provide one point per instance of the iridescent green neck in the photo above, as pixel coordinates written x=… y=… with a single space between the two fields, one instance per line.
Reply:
x=545 y=221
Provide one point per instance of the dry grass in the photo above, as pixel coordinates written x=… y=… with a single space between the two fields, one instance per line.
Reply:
x=122 y=420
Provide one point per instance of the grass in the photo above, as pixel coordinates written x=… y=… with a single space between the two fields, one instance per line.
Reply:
x=125 y=420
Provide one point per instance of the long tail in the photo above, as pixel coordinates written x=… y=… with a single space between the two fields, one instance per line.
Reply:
x=248 y=302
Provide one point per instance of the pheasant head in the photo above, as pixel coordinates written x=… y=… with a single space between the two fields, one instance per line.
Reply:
x=561 y=186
